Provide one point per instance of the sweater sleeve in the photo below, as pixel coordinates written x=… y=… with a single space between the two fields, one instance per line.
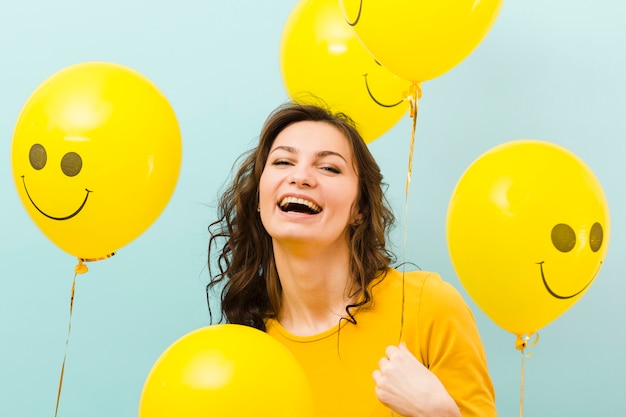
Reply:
x=452 y=349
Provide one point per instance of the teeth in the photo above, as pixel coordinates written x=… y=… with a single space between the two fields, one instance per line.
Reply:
x=294 y=200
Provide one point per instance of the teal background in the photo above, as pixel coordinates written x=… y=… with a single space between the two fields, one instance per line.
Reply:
x=550 y=70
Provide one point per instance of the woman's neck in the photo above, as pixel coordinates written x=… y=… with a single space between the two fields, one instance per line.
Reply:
x=316 y=288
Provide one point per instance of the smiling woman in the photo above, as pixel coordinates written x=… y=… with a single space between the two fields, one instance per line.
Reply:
x=300 y=247
x=310 y=167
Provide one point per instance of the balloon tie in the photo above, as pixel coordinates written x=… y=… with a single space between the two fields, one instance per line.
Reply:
x=521 y=343
x=100 y=258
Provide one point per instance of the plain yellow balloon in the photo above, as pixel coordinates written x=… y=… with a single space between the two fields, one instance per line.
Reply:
x=419 y=40
x=320 y=57
x=96 y=155
x=528 y=231
x=226 y=370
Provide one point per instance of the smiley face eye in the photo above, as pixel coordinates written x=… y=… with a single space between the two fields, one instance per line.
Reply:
x=563 y=237
x=71 y=164
x=37 y=156
x=596 y=236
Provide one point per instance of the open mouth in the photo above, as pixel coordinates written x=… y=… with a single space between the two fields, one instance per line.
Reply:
x=299 y=205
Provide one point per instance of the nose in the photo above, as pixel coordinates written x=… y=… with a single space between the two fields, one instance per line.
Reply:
x=302 y=177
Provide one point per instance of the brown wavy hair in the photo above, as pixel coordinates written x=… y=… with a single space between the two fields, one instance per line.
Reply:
x=241 y=248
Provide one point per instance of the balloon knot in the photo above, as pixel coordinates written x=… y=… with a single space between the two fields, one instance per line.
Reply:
x=80 y=268
x=413 y=95
x=524 y=341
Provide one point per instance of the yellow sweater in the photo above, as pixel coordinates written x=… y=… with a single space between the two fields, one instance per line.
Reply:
x=439 y=329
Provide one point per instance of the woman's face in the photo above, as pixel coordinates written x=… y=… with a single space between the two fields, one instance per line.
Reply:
x=309 y=186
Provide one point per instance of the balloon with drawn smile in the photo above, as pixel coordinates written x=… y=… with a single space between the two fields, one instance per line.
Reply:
x=528 y=231
x=419 y=40
x=320 y=57
x=96 y=154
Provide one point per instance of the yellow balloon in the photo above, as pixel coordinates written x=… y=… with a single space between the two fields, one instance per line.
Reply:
x=527 y=231
x=419 y=40
x=96 y=155
x=321 y=57
x=226 y=370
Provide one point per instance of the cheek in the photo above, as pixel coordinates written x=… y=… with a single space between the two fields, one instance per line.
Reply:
x=265 y=189
x=345 y=203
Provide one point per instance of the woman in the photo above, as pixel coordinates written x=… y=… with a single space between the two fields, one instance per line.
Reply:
x=300 y=248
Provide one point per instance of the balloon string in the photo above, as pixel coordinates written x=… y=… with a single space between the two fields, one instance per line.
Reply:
x=80 y=268
x=521 y=344
x=414 y=94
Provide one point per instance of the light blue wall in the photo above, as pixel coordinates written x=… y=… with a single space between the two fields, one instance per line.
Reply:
x=551 y=70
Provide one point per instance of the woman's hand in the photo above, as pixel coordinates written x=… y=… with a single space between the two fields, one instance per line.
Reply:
x=409 y=388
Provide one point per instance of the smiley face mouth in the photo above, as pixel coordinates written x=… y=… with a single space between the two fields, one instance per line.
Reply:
x=369 y=91
x=559 y=296
x=52 y=217
x=358 y=15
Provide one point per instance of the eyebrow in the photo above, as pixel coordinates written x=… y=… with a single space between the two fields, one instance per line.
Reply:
x=291 y=149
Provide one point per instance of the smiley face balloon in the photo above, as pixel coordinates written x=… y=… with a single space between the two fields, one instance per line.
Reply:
x=419 y=40
x=320 y=57
x=528 y=231
x=96 y=154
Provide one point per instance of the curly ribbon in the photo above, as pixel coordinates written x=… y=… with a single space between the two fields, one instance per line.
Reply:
x=413 y=96
x=80 y=268
x=521 y=343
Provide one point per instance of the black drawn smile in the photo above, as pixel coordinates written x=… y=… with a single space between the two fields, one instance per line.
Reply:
x=555 y=295
x=358 y=16
x=52 y=217
x=374 y=98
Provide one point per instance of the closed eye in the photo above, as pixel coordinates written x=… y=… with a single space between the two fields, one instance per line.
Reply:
x=331 y=169
x=281 y=162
